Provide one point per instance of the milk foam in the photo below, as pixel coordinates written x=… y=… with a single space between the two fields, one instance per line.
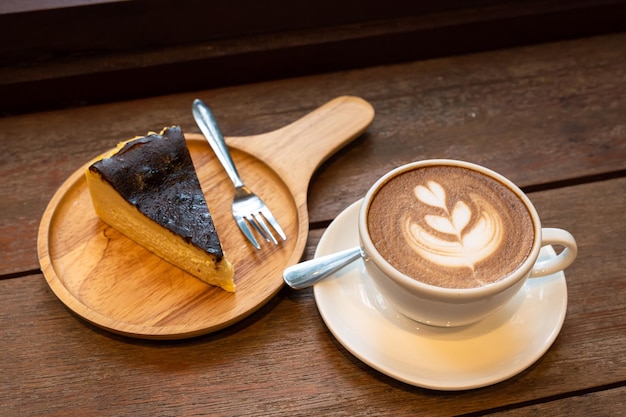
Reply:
x=461 y=246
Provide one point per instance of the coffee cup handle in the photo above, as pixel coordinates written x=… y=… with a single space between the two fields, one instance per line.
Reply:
x=557 y=263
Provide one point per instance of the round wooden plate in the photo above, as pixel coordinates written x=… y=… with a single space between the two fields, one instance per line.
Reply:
x=116 y=284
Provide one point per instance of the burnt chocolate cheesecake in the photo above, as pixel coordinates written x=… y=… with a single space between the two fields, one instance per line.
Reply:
x=148 y=190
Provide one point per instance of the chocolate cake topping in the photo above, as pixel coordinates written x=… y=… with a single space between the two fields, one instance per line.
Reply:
x=155 y=173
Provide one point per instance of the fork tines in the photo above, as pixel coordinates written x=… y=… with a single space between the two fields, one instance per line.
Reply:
x=257 y=221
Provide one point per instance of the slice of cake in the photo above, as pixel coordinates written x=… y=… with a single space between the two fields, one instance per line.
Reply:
x=148 y=190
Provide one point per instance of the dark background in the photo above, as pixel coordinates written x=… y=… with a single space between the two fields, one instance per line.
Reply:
x=64 y=53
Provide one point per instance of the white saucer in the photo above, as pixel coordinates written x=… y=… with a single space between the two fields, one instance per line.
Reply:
x=492 y=350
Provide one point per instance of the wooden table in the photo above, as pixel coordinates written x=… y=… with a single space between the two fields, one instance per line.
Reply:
x=550 y=117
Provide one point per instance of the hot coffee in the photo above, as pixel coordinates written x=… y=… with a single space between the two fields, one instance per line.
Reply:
x=450 y=226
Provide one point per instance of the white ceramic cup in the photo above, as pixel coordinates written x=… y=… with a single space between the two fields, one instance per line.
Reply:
x=448 y=307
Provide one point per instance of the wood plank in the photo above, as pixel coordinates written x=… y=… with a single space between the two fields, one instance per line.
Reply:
x=611 y=402
x=545 y=113
x=282 y=360
x=531 y=114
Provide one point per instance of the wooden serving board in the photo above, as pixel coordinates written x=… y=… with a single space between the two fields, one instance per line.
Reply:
x=115 y=284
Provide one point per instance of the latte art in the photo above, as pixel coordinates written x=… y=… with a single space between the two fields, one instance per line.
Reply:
x=450 y=226
x=462 y=246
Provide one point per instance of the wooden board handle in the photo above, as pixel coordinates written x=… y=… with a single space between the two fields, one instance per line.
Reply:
x=309 y=141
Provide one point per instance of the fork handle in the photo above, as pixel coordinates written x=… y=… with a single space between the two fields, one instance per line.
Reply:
x=208 y=125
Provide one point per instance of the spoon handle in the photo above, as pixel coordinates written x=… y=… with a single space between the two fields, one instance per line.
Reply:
x=307 y=273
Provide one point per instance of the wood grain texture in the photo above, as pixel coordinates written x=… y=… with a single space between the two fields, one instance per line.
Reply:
x=550 y=117
x=114 y=283
x=609 y=403
x=283 y=361
x=536 y=114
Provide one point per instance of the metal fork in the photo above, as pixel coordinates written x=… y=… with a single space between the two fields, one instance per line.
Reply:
x=248 y=208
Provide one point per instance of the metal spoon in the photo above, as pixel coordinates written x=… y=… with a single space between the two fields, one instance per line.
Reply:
x=307 y=273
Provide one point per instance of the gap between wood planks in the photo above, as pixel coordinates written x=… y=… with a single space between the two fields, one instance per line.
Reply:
x=546 y=400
